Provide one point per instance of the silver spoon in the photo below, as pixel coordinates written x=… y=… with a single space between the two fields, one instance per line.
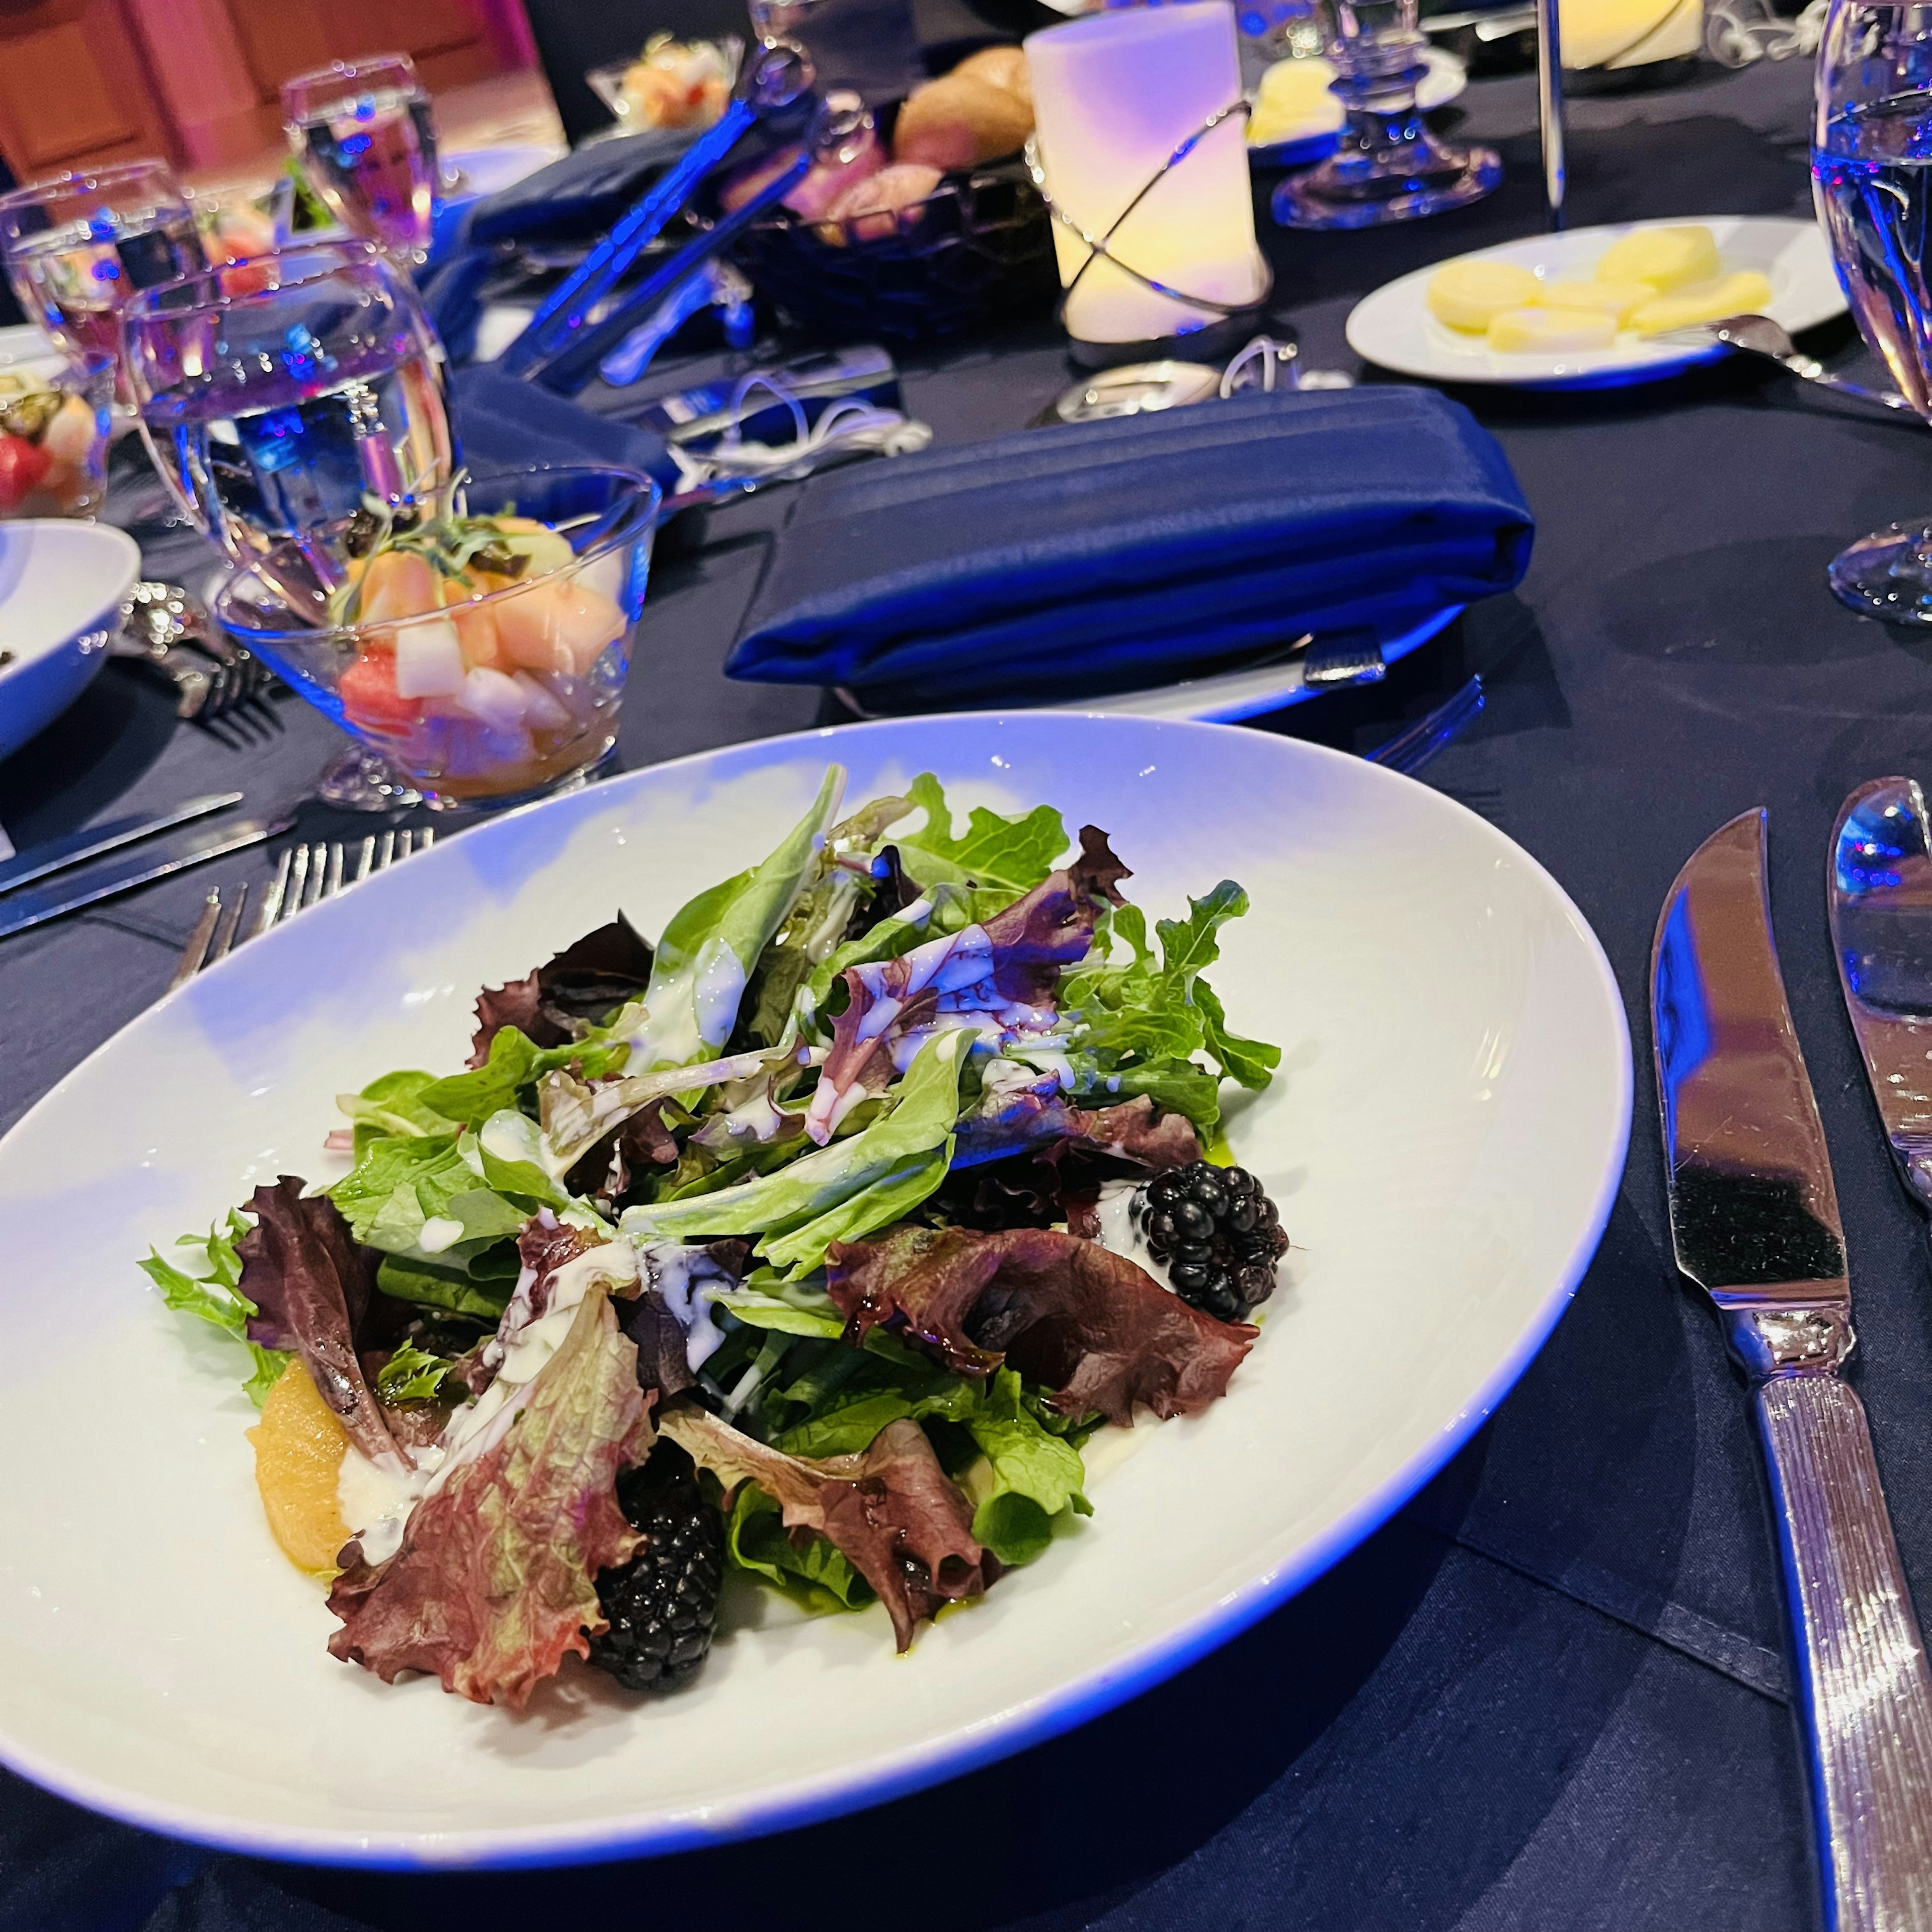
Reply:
x=1759 y=335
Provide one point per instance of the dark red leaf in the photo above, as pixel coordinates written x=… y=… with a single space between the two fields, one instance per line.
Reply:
x=1091 y=1326
x=582 y=984
x=311 y=1285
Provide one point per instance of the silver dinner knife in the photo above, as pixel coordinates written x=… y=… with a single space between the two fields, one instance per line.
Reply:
x=1754 y=1221
x=58 y=855
x=32 y=904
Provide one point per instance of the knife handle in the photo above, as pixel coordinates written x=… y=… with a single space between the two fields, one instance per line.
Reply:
x=1864 y=1691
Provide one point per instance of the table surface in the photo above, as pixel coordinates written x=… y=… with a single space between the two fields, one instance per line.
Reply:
x=1550 y=1693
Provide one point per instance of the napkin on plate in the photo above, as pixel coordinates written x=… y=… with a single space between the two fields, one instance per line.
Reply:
x=1112 y=555
x=503 y=424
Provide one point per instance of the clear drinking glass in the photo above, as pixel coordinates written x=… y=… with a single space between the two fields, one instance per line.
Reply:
x=1388 y=165
x=362 y=131
x=1871 y=179
x=78 y=247
x=277 y=393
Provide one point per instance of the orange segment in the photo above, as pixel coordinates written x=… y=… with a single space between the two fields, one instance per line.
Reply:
x=299 y=1449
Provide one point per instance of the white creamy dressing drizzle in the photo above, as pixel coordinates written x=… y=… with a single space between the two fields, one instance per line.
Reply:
x=377 y=1505
x=682 y=1272
x=439 y=1232
x=1117 y=1232
x=717 y=989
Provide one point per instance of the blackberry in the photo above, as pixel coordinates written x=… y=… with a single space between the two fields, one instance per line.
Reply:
x=1217 y=1234
x=662 y=1605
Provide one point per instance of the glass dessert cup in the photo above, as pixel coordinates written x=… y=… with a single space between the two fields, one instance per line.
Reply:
x=56 y=421
x=492 y=700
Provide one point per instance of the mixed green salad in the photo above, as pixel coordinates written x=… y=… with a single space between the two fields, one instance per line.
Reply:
x=813 y=1242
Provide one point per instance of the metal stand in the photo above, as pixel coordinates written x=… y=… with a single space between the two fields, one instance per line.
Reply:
x=1549 y=105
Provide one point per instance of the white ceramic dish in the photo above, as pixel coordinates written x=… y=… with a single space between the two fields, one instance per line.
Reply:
x=484 y=171
x=61 y=584
x=1393 y=328
x=1444 y=1139
x=1315 y=138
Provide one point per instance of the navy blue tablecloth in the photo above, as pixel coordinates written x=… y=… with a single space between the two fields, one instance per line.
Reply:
x=1550 y=1694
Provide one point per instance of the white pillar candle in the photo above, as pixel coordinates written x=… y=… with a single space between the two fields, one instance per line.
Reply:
x=1115 y=95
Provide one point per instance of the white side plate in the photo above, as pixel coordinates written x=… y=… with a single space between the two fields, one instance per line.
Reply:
x=1393 y=328
x=61 y=585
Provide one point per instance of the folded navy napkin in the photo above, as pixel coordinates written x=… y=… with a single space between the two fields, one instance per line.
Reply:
x=502 y=423
x=1109 y=555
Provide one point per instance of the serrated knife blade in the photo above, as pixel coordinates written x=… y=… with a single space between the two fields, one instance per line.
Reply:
x=1878 y=889
x=1754 y=1221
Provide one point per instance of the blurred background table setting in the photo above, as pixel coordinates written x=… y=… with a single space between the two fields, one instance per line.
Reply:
x=421 y=415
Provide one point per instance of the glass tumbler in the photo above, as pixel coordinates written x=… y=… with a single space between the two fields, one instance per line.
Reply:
x=363 y=133
x=1871 y=179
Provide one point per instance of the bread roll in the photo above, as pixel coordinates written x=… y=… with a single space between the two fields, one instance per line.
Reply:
x=1004 y=66
x=874 y=207
x=959 y=122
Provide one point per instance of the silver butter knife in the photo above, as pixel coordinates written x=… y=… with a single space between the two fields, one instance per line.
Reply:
x=77 y=847
x=31 y=905
x=1754 y=1221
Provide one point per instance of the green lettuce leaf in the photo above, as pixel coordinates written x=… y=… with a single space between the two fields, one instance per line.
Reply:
x=402 y=1183
x=516 y=1062
x=411 y=1375
x=1012 y=855
x=837 y=1193
x=393 y=1105
x=706 y=953
x=483 y=1289
x=1031 y=1474
x=1143 y=1019
x=818 y=1577
x=214 y=1295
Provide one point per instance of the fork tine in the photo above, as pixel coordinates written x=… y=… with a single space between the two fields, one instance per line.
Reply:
x=426 y=837
x=224 y=938
x=272 y=900
x=365 y=856
x=333 y=884
x=318 y=870
x=292 y=899
x=385 y=851
x=196 y=950
x=405 y=843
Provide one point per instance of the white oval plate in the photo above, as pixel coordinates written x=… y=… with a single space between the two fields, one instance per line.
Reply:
x=1445 y=1140
x=1446 y=77
x=1393 y=328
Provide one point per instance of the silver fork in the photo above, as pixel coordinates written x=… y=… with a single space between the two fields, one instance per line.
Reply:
x=307 y=874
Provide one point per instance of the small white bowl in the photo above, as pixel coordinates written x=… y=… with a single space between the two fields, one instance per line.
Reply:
x=61 y=584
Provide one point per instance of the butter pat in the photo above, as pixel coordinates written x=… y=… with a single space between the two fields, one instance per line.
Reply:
x=1470 y=294
x=1665 y=258
x=1743 y=292
x=1619 y=301
x=1551 y=330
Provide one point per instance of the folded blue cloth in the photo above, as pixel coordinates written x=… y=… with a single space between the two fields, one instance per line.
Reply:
x=1114 y=554
x=502 y=423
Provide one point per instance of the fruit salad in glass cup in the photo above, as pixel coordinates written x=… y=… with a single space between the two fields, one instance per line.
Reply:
x=481 y=650
x=56 y=423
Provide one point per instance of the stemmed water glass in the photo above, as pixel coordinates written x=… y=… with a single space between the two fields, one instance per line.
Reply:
x=1871 y=179
x=77 y=249
x=1387 y=165
x=362 y=132
x=284 y=397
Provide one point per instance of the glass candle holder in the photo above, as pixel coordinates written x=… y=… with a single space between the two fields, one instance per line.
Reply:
x=1387 y=165
x=363 y=133
x=1140 y=148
